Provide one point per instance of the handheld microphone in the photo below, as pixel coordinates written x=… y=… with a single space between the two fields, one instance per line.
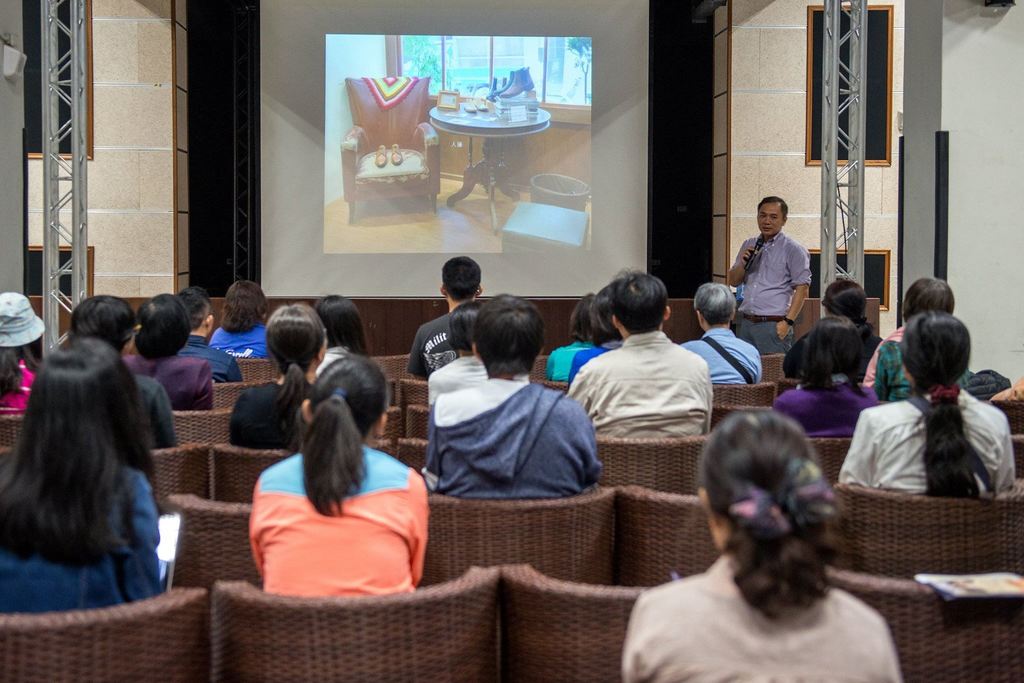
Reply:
x=758 y=246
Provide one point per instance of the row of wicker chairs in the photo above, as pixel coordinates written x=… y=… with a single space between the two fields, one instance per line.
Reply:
x=509 y=623
x=635 y=536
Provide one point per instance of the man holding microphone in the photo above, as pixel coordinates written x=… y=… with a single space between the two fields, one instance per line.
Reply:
x=776 y=274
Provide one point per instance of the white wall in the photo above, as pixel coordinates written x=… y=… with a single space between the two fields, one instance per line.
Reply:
x=347 y=56
x=982 y=100
x=12 y=117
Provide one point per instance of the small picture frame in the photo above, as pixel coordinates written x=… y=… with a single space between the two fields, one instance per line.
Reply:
x=448 y=99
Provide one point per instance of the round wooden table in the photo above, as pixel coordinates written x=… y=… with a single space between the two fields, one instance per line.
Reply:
x=491 y=171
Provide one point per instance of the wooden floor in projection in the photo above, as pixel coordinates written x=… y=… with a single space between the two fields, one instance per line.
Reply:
x=409 y=225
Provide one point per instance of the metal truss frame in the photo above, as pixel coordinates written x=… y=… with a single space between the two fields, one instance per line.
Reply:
x=64 y=70
x=245 y=51
x=844 y=91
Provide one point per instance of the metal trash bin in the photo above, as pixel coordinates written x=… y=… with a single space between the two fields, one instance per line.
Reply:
x=559 y=190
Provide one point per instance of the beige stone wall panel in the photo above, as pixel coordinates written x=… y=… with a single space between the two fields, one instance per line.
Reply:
x=132 y=116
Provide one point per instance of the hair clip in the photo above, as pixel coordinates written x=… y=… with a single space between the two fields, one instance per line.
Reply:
x=137 y=328
x=340 y=393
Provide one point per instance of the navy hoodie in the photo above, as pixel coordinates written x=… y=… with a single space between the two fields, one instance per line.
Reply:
x=537 y=444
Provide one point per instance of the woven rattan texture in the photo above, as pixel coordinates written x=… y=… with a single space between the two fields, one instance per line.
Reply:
x=945 y=642
x=657 y=534
x=560 y=631
x=831 y=454
x=413 y=452
x=762 y=394
x=566 y=538
x=183 y=469
x=557 y=386
x=162 y=639
x=214 y=543
x=442 y=633
x=202 y=426
x=236 y=469
x=1018 y=454
x=899 y=534
x=257 y=369
x=1014 y=413
x=771 y=367
x=785 y=384
x=413 y=392
x=720 y=412
x=10 y=427
x=539 y=371
x=417 y=420
x=225 y=394
x=659 y=464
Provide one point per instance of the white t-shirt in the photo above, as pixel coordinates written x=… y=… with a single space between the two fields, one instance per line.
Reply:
x=887 y=450
x=461 y=373
x=465 y=404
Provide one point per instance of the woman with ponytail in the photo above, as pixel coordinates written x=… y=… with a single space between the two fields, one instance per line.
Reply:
x=268 y=416
x=765 y=610
x=340 y=518
x=941 y=442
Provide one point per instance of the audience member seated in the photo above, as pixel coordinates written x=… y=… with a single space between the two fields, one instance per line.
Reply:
x=943 y=441
x=560 y=360
x=200 y=319
x=111 y=320
x=161 y=332
x=884 y=373
x=242 y=333
x=828 y=401
x=78 y=523
x=508 y=438
x=465 y=371
x=267 y=416
x=730 y=359
x=431 y=349
x=843 y=299
x=344 y=329
x=651 y=387
x=1014 y=393
x=340 y=518
x=603 y=333
x=764 y=611
x=21 y=332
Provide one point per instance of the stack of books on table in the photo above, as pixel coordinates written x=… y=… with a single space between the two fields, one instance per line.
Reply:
x=505 y=107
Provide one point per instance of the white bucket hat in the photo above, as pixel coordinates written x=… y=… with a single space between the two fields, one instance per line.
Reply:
x=19 y=324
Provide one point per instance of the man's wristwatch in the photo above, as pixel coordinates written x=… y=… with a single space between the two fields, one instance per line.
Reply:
x=789 y=321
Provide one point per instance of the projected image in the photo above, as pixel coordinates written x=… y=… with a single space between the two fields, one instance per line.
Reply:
x=457 y=144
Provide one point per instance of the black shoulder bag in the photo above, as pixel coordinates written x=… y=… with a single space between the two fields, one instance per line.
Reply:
x=744 y=373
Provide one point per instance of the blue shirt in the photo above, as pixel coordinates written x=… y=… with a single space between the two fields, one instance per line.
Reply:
x=721 y=372
x=249 y=344
x=129 y=572
x=224 y=367
x=560 y=360
x=583 y=357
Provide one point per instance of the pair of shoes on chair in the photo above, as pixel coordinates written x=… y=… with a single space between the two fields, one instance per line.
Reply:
x=381 y=160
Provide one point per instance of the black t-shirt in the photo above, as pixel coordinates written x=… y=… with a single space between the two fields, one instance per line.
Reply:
x=430 y=349
x=254 y=422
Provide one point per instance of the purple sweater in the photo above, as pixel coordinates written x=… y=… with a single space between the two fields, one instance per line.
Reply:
x=826 y=412
x=188 y=381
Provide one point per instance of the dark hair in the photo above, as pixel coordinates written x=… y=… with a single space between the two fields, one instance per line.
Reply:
x=461 y=323
x=461 y=278
x=833 y=347
x=757 y=449
x=346 y=401
x=936 y=348
x=508 y=334
x=772 y=199
x=104 y=317
x=602 y=330
x=163 y=327
x=10 y=369
x=639 y=301
x=579 y=321
x=197 y=304
x=64 y=491
x=927 y=294
x=342 y=322
x=245 y=306
x=295 y=336
x=846 y=298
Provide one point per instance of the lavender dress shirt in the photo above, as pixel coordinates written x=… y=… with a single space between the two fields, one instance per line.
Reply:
x=188 y=381
x=782 y=265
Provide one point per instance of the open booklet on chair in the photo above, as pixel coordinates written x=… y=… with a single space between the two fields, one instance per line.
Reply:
x=966 y=586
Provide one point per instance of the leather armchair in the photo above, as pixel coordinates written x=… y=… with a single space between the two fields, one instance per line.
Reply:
x=404 y=124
